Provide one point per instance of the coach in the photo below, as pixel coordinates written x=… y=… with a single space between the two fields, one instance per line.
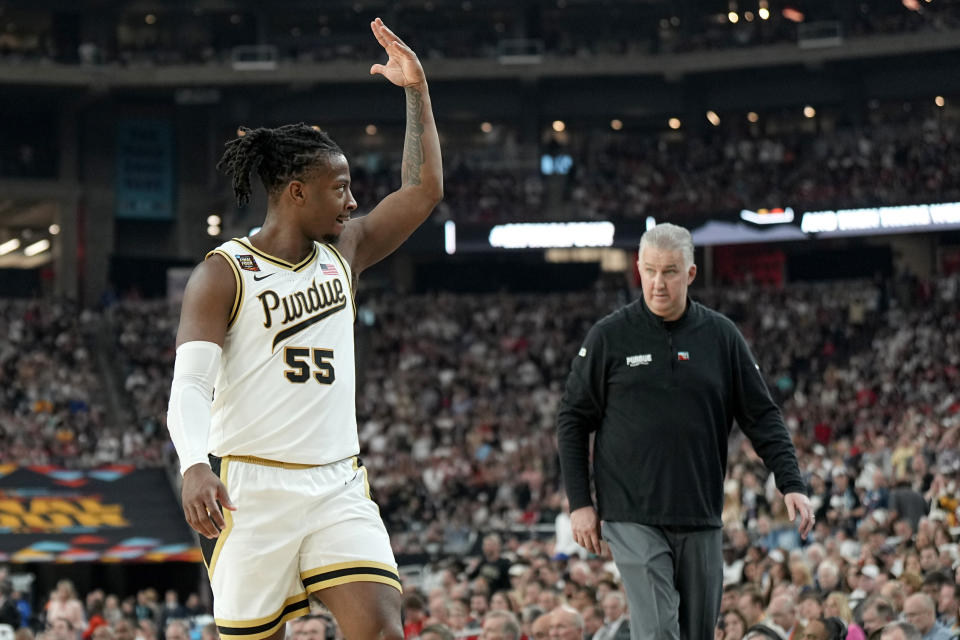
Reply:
x=661 y=381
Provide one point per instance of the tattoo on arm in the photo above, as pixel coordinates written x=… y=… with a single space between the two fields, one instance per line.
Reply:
x=412 y=145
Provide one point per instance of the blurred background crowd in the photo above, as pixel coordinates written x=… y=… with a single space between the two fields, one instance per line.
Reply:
x=456 y=408
x=687 y=111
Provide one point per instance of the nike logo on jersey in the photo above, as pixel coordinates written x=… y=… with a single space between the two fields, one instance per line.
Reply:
x=264 y=276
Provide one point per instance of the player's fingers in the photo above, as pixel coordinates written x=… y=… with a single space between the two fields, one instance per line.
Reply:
x=212 y=509
x=375 y=26
x=224 y=498
x=188 y=516
x=388 y=33
x=216 y=515
x=398 y=48
x=791 y=512
x=201 y=521
x=378 y=68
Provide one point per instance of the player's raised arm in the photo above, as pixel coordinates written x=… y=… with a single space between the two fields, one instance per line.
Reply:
x=373 y=237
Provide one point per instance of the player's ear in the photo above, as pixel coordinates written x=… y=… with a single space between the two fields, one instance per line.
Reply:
x=691 y=274
x=296 y=192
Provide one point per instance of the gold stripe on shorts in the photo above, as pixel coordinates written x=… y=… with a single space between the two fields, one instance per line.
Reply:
x=270 y=463
x=259 y=628
x=344 y=572
x=227 y=518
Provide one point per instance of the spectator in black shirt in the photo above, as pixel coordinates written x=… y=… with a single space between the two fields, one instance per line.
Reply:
x=9 y=613
x=492 y=567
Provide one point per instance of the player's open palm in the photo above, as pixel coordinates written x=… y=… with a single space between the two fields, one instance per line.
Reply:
x=200 y=493
x=403 y=67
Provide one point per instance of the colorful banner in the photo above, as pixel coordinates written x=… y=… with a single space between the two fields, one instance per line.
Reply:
x=110 y=514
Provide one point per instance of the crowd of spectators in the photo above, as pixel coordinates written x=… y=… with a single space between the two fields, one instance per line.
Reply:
x=456 y=30
x=456 y=406
x=909 y=160
x=895 y=153
x=63 y=614
x=50 y=408
x=53 y=398
x=904 y=153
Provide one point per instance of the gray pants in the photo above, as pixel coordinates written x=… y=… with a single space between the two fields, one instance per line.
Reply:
x=673 y=579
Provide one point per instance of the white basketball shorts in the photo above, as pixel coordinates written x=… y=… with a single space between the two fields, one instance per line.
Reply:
x=297 y=529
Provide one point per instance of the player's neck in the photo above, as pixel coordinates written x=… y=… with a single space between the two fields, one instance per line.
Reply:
x=285 y=243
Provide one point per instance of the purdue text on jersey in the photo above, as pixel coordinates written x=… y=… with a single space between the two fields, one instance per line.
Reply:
x=322 y=300
x=286 y=389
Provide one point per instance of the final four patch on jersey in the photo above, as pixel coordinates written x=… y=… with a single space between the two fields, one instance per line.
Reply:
x=247 y=263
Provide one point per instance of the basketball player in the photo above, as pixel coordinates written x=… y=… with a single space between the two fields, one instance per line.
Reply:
x=266 y=331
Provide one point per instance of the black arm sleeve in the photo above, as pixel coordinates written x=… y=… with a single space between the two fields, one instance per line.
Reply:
x=581 y=411
x=760 y=419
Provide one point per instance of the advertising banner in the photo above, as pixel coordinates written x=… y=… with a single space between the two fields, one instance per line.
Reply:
x=110 y=514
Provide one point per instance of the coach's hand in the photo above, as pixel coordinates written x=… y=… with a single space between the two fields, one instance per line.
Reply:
x=586 y=529
x=200 y=492
x=799 y=505
x=403 y=67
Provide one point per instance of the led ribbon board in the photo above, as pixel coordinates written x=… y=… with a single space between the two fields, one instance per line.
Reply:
x=551 y=235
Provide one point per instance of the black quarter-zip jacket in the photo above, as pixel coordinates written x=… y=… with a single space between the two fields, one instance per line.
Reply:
x=662 y=398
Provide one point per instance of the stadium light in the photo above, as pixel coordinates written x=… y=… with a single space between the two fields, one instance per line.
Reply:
x=809 y=112
x=371 y=129
x=486 y=127
x=450 y=237
x=9 y=245
x=713 y=118
x=674 y=123
x=939 y=101
x=559 y=125
x=54 y=229
x=616 y=124
x=748 y=15
x=793 y=15
x=733 y=17
x=753 y=117
x=213 y=230
x=36 y=248
x=764 y=13
x=213 y=220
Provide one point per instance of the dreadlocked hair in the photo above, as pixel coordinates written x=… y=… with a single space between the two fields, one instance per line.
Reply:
x=278 y=155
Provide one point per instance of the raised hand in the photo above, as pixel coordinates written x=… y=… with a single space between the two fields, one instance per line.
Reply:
x=403 y=67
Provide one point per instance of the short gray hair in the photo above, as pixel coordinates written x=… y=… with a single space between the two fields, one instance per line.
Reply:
x=511 y=626
x=669 y=237
x=909 y=631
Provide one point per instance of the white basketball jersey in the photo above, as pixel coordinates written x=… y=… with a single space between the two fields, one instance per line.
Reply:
x=286 y=387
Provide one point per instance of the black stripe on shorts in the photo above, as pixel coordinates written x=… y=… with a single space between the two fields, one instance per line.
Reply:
x=266 y=626
x=351 y=571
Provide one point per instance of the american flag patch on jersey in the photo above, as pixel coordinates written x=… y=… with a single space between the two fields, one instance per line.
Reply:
x=683 y=355
x=329 y=269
